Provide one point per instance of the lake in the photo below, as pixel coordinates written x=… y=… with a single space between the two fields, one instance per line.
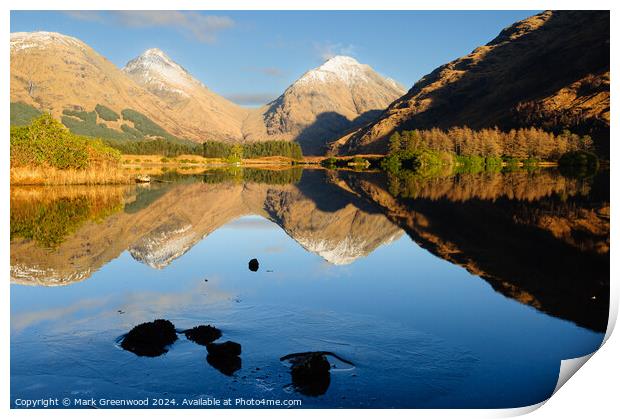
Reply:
x=457 y=291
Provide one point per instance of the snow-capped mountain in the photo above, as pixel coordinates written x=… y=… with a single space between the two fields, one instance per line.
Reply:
x=204 y=112
x=327 y=101
x=344 y=69
x=26 y=40
x=156 y=71
x=53 y=72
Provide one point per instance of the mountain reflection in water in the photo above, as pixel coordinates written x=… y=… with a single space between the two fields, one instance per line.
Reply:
x=464 y=290
x=536 y=237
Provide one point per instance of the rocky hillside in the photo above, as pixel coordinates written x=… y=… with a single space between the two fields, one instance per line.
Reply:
x=204 y=114
x=324 y=103
x=550 y=70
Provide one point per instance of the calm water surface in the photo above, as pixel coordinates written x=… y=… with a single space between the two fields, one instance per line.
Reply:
x=463 y=291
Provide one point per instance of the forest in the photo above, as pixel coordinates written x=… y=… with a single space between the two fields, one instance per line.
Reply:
x=209 y=149
x=462 y=146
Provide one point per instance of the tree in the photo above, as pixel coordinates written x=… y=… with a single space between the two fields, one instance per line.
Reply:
x=236 y=153
x=395 y=143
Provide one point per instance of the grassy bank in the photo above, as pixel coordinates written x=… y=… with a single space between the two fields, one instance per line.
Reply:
x=46 y=153
x=41 y=175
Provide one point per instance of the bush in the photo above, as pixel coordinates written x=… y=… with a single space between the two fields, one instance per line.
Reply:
x=47 y=142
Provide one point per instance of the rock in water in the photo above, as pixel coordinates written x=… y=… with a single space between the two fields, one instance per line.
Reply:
x=150 y=339
x=310 y=373
x=227 y=348
x=253 y=265
x=202 y=334
x=143 y=179
x=224 y=357
x=227 y=365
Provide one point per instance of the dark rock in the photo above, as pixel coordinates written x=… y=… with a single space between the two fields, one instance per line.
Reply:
x=227 y=348
x=310 y=373
x=227 y=365
x=253 y=265
x=224 y=357
x=150 y=339
x=203 y=335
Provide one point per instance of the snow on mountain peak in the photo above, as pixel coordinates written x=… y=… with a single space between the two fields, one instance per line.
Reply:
x=339 y=63
x=153 y=67
x=25 y=40
x=339 y=68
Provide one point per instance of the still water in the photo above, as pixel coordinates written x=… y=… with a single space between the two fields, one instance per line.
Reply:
x=461 y=291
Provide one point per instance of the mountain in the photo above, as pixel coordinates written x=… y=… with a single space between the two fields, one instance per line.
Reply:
x=206 y=115
x=324 y=103
x=62 y=75
x=154 y=97
x=550 y=70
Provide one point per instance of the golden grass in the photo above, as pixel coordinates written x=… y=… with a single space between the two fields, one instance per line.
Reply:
x=45 y=194
x=51 y=176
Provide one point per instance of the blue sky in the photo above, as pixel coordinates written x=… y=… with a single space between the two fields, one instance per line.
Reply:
x=251 y=57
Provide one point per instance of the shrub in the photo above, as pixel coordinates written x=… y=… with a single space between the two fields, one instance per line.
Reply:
x=47 y=142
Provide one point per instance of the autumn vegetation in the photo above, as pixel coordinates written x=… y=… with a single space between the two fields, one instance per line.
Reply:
x=464 y=147
x=46 y=152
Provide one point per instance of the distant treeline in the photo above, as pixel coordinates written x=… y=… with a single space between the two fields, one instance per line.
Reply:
x=211 y=149
x=523 y=143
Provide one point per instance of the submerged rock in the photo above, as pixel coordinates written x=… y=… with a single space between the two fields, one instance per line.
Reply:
x=253 y=265
x=202 y=334
x=310 y=372
x=150 y=339
x=224 y=357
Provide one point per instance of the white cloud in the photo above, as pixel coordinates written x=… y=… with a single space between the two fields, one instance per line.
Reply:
x=203 y=28
x=87 y=15
x=251 y=99
x=327 y=50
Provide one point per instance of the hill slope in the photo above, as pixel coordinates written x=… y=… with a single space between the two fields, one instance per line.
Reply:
x=57 y=73
x=550 y=70
x=203 y=114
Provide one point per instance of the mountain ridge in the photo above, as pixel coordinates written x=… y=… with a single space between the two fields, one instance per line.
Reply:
x=550 y=70
x=61 y=74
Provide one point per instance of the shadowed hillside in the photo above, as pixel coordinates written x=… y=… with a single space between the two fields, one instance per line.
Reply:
x=550 y=70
